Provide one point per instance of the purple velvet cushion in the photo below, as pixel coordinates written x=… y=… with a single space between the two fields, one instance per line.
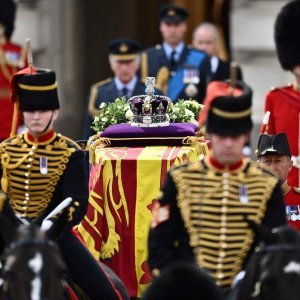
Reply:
x=125 y=135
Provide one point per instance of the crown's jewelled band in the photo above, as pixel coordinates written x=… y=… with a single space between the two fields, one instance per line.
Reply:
x=150 y=121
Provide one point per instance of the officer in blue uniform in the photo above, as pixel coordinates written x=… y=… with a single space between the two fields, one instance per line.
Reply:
x=181 y=72
x=124 y=61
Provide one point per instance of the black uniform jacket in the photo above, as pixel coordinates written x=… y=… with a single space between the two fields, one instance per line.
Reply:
x=201 y=216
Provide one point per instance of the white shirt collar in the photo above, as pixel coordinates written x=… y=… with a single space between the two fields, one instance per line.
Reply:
x=168 y=49
x=214 y=62
x=130 y=85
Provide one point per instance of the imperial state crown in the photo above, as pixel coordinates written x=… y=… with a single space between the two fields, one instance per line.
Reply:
x=149 y=110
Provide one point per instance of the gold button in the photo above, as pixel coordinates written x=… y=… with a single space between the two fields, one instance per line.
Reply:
x=26 y=181
x=26 y=187
x=219 y=266
x=26 y=174
x=28 y=166
x=30 y=159
x=223 y=237
x=223 y=218
x=224 y=209
x=223 y=230
x=30 y=153
x=155 y=272
x=225 y=175
x=24 y=207
x=224 y=245
x=33 y=147
x=25 y=201
x=224 y=201
x=26 y=194
x=222 y=254
x=220 y=275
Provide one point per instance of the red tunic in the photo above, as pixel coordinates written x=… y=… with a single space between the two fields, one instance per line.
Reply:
x=284 y=105
x=292 y=204
x=12 y=58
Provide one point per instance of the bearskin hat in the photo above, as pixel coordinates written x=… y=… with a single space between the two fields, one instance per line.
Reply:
x=287 y=32
x=7 y=16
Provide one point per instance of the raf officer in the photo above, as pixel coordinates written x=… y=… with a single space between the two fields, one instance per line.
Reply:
x=124 y=60
x=181 y=72
x=200 y=214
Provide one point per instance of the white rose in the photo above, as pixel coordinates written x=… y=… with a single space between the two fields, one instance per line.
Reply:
x=129 y=115
x=102 y=105
x=104 y=119
x=176 y=110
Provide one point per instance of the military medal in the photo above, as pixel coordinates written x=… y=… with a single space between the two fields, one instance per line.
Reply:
x=44 y=165
x=191 y=78
x=243 y=194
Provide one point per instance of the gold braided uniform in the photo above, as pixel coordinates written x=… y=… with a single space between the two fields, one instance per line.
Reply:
x=205 y=220
x=35 y=173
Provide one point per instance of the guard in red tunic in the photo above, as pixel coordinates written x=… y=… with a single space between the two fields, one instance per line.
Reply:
x=284 y=102
x=274 y=152
x=12 y=58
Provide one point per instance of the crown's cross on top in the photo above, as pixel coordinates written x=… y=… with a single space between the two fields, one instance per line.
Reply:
x=150 y=84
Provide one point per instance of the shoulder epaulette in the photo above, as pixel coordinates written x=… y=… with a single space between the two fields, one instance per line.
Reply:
x=273 y=89
x=71 y=142
x=297 y=190
x=101 y=83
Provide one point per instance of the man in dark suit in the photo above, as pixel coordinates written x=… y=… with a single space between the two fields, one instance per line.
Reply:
x=206 y=38
x=124 y=61
x=181 y=72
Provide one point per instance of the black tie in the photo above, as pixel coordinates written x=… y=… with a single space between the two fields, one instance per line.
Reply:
x=124 y=92
x=172 y=60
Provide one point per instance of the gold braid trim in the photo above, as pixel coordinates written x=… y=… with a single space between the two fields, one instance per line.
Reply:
x=162 y=79
x=21 y=165
x=216 y=228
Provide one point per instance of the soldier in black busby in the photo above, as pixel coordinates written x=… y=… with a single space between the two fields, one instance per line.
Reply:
x=40 y=168
x=200 y=214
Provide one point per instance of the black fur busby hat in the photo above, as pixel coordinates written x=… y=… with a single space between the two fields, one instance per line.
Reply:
x=7 y=16
x=273 y=144
x=124 y=48
x=183 y=281
x=227 y=112
x=171 y=14
x=35 y=89
x=287 y=32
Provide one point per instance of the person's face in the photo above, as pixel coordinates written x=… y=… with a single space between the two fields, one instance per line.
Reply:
x=228 y=150
x=296 y=71
x=39 y=120
x=173 y=33
x=280 y=164
x=124 y=69
x=205 y=40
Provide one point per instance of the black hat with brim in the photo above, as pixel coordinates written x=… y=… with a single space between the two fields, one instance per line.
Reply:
x=124 y=49
x=173 y=14
x=273 y=144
